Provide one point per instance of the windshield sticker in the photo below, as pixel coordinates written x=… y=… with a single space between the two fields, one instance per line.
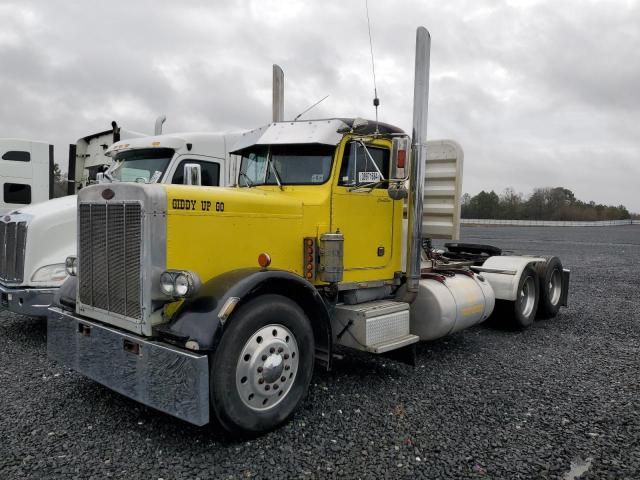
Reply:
x=368 y=177
x=155 y=177
x=317 y=178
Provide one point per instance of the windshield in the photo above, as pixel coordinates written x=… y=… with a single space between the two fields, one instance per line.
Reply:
x=304 y=164
x=145 y=166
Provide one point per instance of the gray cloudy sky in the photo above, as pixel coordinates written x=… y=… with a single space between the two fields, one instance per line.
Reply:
x=539 y=93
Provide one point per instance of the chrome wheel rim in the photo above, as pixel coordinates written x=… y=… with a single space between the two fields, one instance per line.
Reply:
x=267 y=367
x=555 y=287
x=527 y=297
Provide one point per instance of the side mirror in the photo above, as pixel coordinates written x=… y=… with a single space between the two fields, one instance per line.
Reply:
x=192 y=174
x=400 y=151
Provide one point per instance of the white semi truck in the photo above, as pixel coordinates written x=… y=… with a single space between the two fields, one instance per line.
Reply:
x=26 y=173
x=37 y=239
x=88 y=156
x=217 y=303
x=27 y=166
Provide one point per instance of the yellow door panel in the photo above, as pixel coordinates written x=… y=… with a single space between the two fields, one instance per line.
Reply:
x=366 y=221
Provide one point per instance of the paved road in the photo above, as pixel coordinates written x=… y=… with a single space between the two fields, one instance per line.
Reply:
x=480 y=404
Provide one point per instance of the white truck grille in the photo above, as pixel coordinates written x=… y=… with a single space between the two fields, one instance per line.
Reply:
x=109 y=255
x=13 y=239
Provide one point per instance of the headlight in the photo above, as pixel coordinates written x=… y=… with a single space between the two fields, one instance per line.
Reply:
x=71 y=266
x=50 y=273
x=166 y=283
x=178 y=283
x=181 y=285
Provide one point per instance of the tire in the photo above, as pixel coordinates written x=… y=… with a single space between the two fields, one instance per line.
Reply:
x=550 y=275
x=521 y=313
x=262 y=367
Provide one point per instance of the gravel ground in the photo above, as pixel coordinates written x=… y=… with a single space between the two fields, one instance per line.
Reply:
x=480 y=404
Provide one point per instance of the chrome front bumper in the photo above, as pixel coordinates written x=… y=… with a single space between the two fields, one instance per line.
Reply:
x=27 y=301
x=167 y=378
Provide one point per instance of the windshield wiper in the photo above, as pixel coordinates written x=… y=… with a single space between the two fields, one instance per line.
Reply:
x=249 y=182
x=275 y=172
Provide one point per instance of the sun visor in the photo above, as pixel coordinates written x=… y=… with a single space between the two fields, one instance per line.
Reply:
x=286 y=133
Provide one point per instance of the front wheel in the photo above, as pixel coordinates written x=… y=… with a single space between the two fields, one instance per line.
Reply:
x=263 y=365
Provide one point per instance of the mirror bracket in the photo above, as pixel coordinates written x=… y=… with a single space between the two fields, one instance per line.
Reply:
x=192 y=174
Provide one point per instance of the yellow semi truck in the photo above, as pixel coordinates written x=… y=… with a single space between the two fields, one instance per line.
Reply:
x=204 y=302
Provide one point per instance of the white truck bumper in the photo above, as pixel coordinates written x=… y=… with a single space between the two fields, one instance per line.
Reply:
x=161 y=376
x=27 y=301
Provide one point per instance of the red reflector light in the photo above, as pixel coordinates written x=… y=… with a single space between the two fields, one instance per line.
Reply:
x=402 y=157
x=264 y=260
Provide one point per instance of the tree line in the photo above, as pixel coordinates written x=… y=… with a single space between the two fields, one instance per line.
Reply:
x=547 y=203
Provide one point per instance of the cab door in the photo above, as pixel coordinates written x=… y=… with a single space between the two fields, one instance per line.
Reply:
x=361 y=208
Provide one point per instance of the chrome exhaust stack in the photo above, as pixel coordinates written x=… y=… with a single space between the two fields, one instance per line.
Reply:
x=278 y=94
x=418 y=158
x=159 y=121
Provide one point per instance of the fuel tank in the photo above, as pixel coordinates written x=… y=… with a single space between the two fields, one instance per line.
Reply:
x=448 y=302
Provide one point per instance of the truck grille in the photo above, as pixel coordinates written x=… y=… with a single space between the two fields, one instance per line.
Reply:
x=109 y=253
x=13 y=238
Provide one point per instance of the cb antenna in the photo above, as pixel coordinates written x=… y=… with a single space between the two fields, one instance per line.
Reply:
x=376 y=100
x=305 y=111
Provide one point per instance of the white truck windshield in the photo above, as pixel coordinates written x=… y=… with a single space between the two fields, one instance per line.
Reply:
x=147 y=165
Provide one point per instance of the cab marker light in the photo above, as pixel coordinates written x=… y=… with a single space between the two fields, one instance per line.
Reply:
x=402 y=156
x=227 y=308
x=309 y=253
x=264 y=260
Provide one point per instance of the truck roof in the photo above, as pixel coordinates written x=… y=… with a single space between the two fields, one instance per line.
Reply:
x=123 y=133
x=205 y=143
x=323 y=131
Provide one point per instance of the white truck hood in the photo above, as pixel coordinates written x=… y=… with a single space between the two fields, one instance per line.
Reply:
x=51 y=236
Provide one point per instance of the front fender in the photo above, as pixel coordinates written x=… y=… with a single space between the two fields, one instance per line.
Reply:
x=197 y=318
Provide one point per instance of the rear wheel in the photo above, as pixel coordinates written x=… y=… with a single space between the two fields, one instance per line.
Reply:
x=262 y=367
x=550 y=275
x=521 y=313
